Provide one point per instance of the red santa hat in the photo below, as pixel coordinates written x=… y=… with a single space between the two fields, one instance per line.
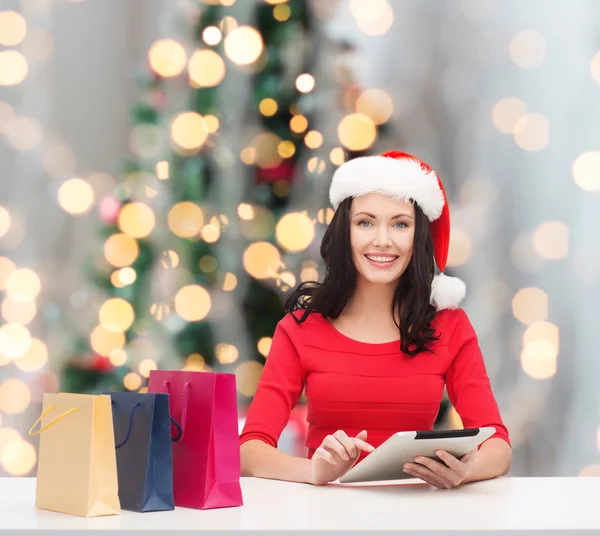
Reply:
x=403 y=176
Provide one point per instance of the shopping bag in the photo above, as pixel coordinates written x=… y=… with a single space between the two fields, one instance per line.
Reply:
x=77 y=465
x=206 y=458
x=143 y=444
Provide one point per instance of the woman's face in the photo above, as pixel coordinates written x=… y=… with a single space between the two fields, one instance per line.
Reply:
x=381 y=236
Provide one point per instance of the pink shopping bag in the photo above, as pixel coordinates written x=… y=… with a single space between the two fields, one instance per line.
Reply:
x=206 y=455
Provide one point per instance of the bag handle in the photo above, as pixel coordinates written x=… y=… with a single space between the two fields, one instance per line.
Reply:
x=184 y=407
x=51 y=423
x=130 y=428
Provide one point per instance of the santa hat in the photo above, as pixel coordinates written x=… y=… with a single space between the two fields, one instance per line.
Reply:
x=403 y=176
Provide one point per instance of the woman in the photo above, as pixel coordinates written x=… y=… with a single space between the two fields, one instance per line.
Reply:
x=374 y=344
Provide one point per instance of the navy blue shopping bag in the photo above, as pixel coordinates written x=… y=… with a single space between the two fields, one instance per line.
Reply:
x=142 y=426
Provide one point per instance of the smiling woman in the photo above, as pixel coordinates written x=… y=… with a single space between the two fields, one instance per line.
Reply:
x=374 y=343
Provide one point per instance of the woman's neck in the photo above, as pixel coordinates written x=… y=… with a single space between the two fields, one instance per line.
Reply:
x=371 y=301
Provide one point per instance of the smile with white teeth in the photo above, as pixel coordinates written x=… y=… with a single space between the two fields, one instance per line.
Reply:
x=380 y=258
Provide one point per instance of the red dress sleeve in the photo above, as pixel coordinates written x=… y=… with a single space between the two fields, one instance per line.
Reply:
x=279 y=387
x=467 y=382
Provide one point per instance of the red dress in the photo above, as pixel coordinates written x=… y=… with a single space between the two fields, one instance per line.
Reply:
x=354 y=386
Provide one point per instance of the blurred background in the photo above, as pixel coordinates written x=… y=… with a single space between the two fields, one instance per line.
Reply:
x=164 y=175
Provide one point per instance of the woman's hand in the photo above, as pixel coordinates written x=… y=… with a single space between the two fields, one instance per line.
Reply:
x=336 y=456
x=453 y=474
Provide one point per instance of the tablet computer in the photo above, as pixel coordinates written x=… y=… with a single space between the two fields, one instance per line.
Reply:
x=387 y=460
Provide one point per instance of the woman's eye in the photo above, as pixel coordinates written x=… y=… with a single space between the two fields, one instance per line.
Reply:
x=400 y=224
x=364 y=223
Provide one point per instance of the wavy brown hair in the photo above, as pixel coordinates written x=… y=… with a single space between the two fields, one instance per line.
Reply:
x=411 y=297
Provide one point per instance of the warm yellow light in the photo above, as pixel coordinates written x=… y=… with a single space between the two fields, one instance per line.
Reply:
x=13 y=28
x=210 y=233
x=195 y=362
x=376 y=104
x=76 y=196
x=532 y=132
x=132 y=381
x=506 y=112
x=262 y=260
x=268 y=107
x=212 y=35
x=530 y=305
x=229 y=282
x=104 y=341
x=14 y=396
x=551 y=240
x=309 y=274
x=4 y=221
x=19 y=458
x=169 y=259
x=286 y=149
x=192 y=303
x=23 y=133
x=586 y=171
x=118 y=357
x=13 y=67
x=146 y=366
x=282 y=12
x=116 y=314
x=264 y=345
x=538 y=360
x=460 y=248
x=207 y=264
x=542 y=331
x=288 y=279
x=227 y=24
x=266 y=145
x=162 y=170
x=121 y=250
x=226 y=353
x=528 y=49
x=313 y=139
x=243 y=45
x=206 y=68
x=295 y=231
x=247 y=375
x=126 y=276
x=7 y=267
x=23 y=285
x=367 y=12
x=247 y=155
x=188 y=131
x=136 y=220
x=245 y=211
x=211 y=122
x=167 y=57
x=357 y=132
x=35 y=358
x=298 y=124
x=18 y=312
x=325 y=215
x=376 y=25
x=305 y=83
x=185 y=219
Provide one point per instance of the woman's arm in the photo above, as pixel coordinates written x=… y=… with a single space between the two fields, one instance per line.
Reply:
x=264 y=461
x=492 y=460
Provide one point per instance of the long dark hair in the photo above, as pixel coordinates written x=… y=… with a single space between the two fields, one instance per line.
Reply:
x=411 y=297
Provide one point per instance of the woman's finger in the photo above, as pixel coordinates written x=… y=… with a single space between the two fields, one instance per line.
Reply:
x=347 y=443
x=363 y=445
x=333 y=445
x=439 y=469
x=428 y=476
x=468 y=455
x=324 y=454
x=453 y=463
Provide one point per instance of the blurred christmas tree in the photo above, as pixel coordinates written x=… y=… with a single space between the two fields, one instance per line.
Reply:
x=202 y=238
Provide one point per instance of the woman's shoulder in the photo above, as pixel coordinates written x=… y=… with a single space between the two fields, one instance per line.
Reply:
x=451 y=321
x=295 y=323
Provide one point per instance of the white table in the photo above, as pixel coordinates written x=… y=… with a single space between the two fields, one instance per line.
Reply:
x=515 y=504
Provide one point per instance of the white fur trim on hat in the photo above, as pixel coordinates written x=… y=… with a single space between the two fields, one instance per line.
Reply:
x=447 y=292
x=400 y=178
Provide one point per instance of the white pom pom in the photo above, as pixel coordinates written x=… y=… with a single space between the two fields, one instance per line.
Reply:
x=447 y=292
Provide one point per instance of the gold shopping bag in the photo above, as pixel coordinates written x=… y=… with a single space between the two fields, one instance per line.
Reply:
x=77 y=464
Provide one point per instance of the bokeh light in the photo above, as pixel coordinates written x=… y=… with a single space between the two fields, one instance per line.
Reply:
x=247 y=375
x=188 y=131
x=212 y=35
x=23 y=285
x=18 y=458
x=295 y=231
x=104 y=341
x=116 y=314
x=22 y=132
x=14 y=396
x=506 y=112
x=375 y=17
x=192 y=303
x=13 y=67
x=266 y=147
x=325 y=215
x=18 y=312
x=539 y=360
x=337 y=156
x=35 y=358
x=226 y=353
x=305 y=83
x=586 y=171
x=268 y=107
x=460 y=248
x=167 y=57
x=531 y=132
x=169 y=259
x=206 y=68
x=264 y=345
x=542 y=331
x=146 y=366
x=262 y=260
x=121 y=250
x=376 y=104
x=4 y=221
x=528 y=49
x=13 y=28
x=185 y=219
x=551 y=240
x=229 y=282
x=76 y=196
x=243 y=45
x=118 y=357
x=298 y=124
x=136 y=220
x=530 y=305
x=132 y=381
x=7 y=267
x=357 y=132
